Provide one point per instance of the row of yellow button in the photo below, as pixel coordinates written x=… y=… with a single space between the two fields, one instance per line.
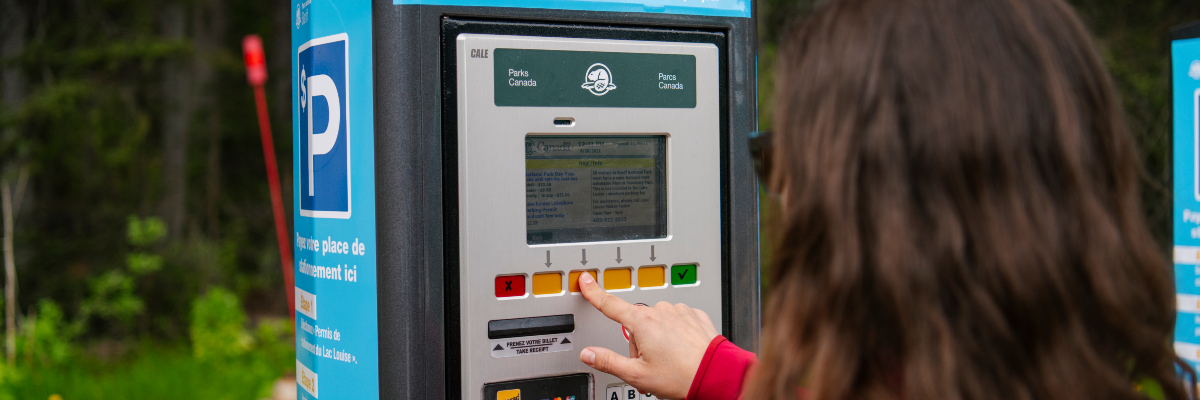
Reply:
x=650 y=276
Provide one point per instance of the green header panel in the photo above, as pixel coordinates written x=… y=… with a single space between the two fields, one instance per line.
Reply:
x=555 y=78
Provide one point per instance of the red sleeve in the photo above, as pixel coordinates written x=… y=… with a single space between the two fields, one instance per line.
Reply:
x=722 y=372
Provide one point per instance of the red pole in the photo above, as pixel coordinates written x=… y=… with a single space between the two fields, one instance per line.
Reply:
x=256 y=75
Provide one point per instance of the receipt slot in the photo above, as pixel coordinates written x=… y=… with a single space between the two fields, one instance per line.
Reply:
x=458 y=164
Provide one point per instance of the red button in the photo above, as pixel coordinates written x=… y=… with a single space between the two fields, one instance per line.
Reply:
x=510 y=286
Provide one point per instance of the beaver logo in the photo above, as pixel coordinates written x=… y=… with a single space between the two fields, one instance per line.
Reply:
x=598 y=80
x=531 y=147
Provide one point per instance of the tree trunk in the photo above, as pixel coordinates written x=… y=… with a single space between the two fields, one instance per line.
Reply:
x=10 y=275
x=13 y=25
x=13 y=34
x=209 y=21
x=279 y=63
x=178 y=94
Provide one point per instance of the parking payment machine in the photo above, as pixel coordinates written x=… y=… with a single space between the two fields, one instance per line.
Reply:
x=466 y=161
x=562 y=112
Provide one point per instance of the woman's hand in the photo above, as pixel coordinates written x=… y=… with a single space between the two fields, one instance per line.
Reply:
x=666 y=343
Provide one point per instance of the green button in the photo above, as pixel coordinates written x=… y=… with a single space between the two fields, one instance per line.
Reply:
x=683 y=274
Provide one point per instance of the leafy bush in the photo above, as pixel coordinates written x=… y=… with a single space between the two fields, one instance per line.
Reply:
x=141 y=263
x=112 y=294
x=46 y=336
x=145 y=232
x=217 y=329
x=274 y=340
x=224 y=362
x=155 y=372
x=112 y=298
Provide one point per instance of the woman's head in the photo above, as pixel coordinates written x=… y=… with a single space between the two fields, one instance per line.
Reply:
x=962 y=217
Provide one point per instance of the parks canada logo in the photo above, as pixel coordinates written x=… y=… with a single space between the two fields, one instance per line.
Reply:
x=598 y=80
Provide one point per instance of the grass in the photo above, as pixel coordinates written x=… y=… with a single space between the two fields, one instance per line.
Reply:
x=155 y=372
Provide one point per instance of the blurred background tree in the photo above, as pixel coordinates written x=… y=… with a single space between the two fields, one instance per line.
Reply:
x=146 y=187
x=138 y=108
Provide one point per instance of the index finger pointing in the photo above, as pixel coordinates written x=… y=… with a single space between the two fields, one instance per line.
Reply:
x=611 y=306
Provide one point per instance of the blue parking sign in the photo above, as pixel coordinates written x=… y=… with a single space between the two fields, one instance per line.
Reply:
x=1185 y=78
x=324 y=127
x=333 y=164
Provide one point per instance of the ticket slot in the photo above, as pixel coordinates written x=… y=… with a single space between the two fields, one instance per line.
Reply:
x=518 y=327
x=565 y=387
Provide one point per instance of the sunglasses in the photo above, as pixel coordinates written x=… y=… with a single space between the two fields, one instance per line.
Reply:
x=760 y=153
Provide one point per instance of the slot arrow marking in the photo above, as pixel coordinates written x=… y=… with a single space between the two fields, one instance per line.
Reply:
x=547 y=258
x=584 y=262
x=618 y=254
x=652 y=257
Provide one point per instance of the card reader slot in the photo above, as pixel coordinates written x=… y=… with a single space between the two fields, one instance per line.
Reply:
x=548 y=325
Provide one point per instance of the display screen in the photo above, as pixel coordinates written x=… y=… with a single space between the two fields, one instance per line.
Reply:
x=594 y=188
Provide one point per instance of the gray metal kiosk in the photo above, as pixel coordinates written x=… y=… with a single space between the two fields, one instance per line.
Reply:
x=515 y=148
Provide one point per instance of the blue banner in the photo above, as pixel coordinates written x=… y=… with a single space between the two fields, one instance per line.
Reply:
x=712 y=8
x=1185 y=76
x=337 y=339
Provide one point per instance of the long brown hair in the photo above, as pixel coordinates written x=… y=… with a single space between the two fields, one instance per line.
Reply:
x=961 y=215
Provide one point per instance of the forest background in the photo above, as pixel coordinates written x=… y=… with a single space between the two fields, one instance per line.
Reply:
x=144 y=247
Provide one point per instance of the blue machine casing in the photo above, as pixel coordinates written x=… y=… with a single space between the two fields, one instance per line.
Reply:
x=1185 y=78
x=337 y=338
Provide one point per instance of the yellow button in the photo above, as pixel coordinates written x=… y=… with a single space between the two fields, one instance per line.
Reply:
x=618 y=278
x=573 y=280
x=512 y=394
x=547 y=283
x=652 y=276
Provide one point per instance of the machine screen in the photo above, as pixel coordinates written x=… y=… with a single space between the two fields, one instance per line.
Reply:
x=594 y=188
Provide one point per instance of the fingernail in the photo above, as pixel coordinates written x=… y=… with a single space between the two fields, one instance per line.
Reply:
x=586 y=278
x=588 y=357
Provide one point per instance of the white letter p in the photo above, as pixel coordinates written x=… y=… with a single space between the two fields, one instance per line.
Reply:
x=322 y=143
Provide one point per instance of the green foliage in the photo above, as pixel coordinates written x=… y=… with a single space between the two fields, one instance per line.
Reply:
x=1150 y=388
x=46 y=337
x=142 y=233
x=218 y=330
x=274 y=336
x=142 y=263
x=157 y=372
x=145 y=232
x=112 y=298
x=98 y=96
x=10 y=377
x=226 y=362
x=113 y=295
